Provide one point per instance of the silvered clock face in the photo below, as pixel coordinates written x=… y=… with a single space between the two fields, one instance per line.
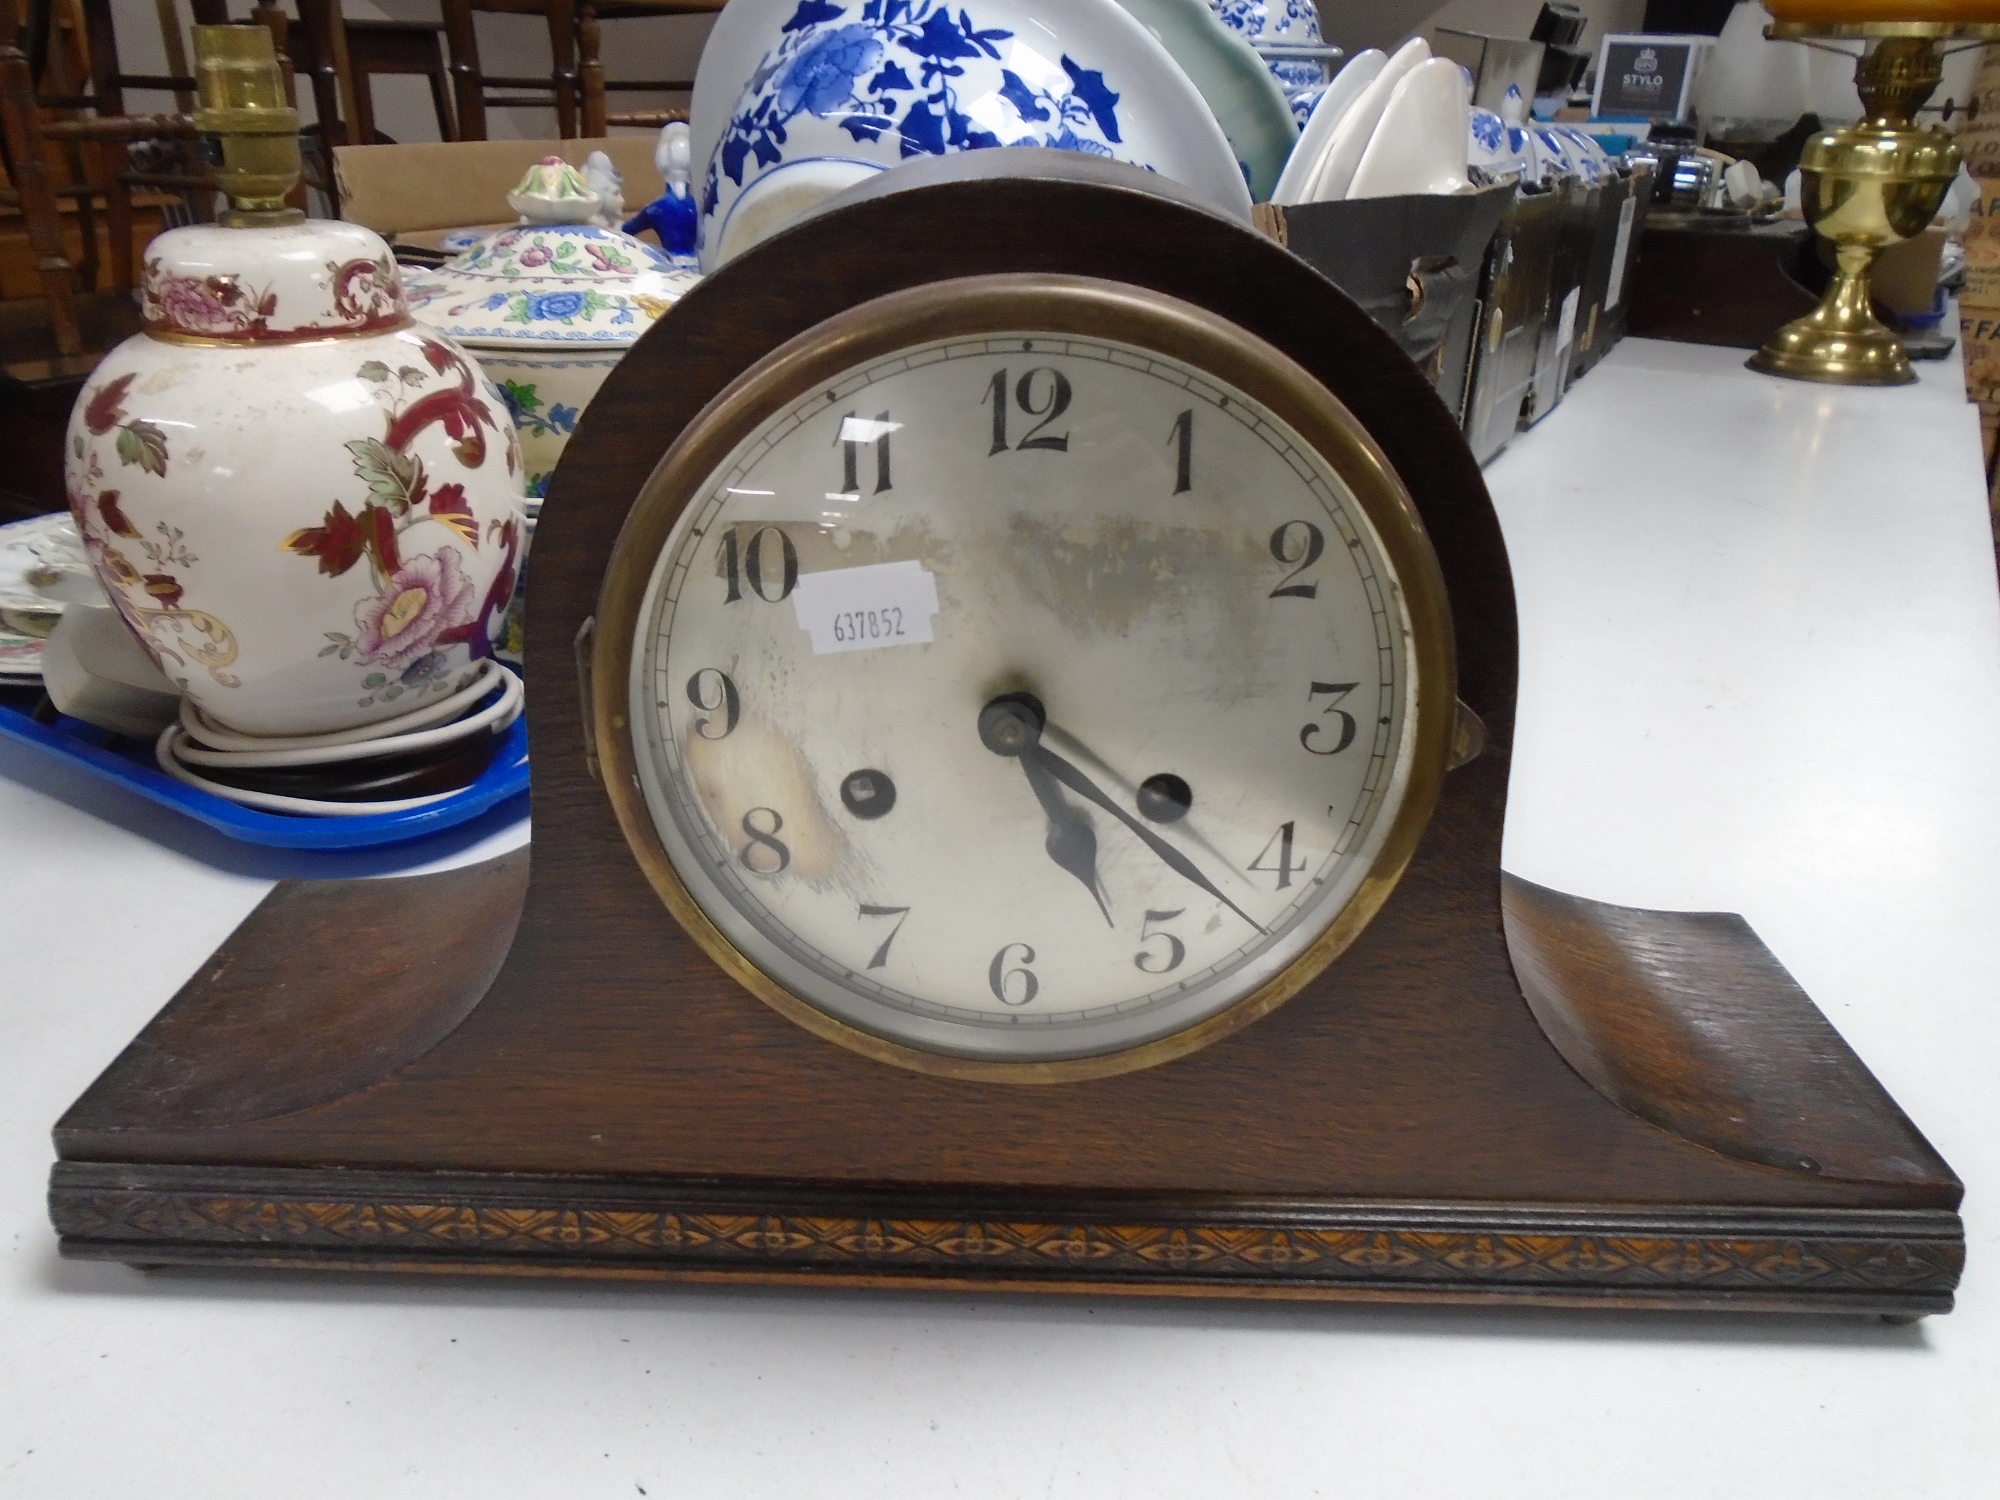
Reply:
x=1024 y=697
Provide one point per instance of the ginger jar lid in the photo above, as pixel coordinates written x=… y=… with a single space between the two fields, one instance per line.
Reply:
x=319 y=278
x=553 y=282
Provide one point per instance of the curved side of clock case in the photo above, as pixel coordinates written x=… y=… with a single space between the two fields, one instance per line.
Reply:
x=1075 y=307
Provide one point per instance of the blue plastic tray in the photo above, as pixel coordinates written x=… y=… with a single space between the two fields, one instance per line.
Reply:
x=129 y=763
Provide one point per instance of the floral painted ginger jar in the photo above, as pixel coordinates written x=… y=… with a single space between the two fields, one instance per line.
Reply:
x=308 y=508
x=550 y=306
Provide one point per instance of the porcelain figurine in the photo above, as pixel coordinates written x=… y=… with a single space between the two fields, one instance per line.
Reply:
x=602 y=176
x=307 y=508
x=549 y=306
x=672 y=216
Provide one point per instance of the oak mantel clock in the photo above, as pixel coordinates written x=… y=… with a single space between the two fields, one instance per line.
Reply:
x=1022 y=679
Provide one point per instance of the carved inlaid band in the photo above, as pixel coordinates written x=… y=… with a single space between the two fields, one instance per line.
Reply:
x=1847 y=1260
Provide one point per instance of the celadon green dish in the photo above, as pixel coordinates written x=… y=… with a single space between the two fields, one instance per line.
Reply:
x=1234 y=82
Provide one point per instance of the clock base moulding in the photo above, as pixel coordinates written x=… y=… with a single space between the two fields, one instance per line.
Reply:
x=1499 y=1093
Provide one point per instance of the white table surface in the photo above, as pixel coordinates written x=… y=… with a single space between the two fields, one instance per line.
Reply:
x=1761 y=673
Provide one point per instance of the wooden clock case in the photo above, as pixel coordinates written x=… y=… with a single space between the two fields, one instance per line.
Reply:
x=1499 y=1093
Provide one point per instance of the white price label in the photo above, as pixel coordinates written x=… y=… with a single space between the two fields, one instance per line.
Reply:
x=862 y=609
x=1619 y=251
x=1566 y=321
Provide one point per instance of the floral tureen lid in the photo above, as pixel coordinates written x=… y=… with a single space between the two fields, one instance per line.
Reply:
x=554 y=282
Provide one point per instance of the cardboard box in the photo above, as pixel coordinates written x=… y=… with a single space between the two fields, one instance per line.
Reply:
x=1514 y=309
x=1581 y=204
x=412 y=192
x=1979 y=331
x=1978 y=129
x=1616 y=228
x=1982 y=247
x=1414 y=265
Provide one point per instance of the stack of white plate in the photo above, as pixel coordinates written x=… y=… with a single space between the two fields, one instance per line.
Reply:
x=1386 y=126
x=1391 y=125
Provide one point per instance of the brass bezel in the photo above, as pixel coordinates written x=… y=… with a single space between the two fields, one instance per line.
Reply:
x=1077 y=307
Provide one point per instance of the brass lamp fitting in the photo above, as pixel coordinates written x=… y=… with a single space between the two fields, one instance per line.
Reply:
x=248 y=124
x=1865 y=188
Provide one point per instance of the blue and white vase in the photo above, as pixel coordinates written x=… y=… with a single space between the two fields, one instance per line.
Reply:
x=1283 y=23
x=849 y=88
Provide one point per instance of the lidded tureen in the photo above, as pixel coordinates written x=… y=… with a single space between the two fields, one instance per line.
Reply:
x=550 y=305
x=306 y=507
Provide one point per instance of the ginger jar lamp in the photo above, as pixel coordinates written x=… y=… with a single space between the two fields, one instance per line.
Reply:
x=1872 y=184
x=307 y=508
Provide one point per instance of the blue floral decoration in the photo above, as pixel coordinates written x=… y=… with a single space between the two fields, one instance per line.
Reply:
x=1487 y=129
x=430 y=666
x=822 y=77
x=890 y=67
x=524 y=405
x=559 y=305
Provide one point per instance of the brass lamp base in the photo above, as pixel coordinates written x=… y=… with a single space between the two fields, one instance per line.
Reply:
x=1865 y=188
x=1840 y=342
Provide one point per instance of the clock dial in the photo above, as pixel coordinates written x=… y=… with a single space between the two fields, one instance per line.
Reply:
x=1032 y=696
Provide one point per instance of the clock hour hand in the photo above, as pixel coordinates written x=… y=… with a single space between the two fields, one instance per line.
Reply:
x=1055 y=766
x=1011 y=726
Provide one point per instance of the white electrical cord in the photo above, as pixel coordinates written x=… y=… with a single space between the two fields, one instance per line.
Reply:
x=178 y=746
x=201 y=727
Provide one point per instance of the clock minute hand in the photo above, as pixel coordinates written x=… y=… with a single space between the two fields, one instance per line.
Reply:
x=1174 y=860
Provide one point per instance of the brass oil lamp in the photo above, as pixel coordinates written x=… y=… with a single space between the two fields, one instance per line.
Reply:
x=1874 y=183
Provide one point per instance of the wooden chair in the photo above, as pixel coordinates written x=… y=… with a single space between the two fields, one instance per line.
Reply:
x=474 y=87
x=49 y=105
x=576 y=68
x=589 y=16
x=35 y=192
x=339 y=56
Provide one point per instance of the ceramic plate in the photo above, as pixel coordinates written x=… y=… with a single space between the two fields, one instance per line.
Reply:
x=20 y=652
x=1550 y=156
x=1488 y=147
x=1420 y=145
x=43 y=568
x=1361 y=70
x=854 y=88
x=1351 y=135
x=1589 y=158
x=1241 y=92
